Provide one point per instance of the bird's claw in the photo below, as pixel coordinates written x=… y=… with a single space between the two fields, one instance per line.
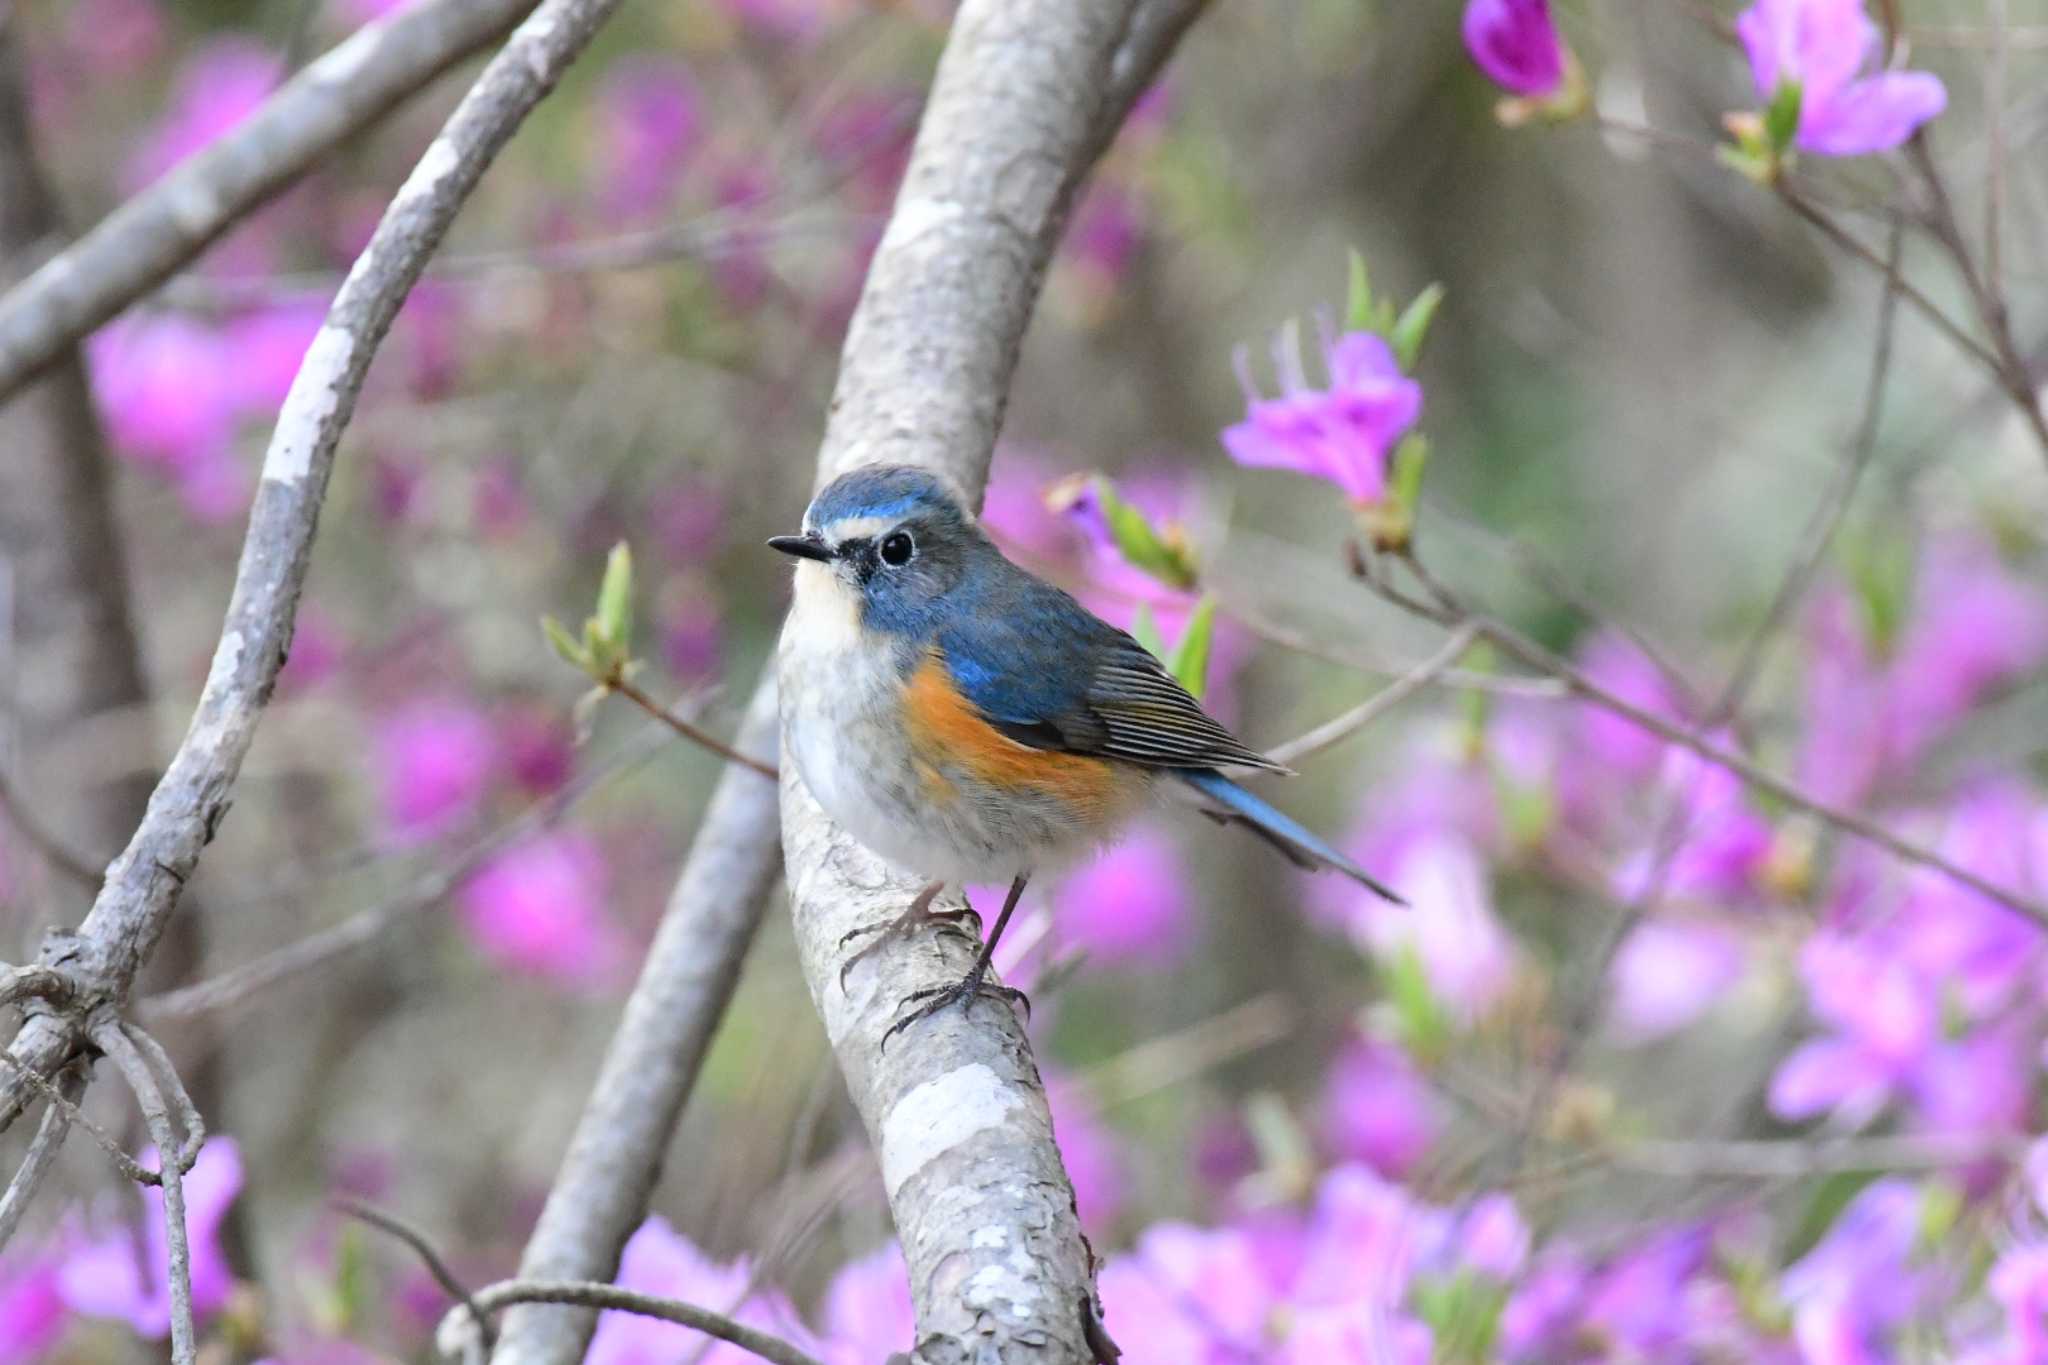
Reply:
x=947 y=922
x=974 y=986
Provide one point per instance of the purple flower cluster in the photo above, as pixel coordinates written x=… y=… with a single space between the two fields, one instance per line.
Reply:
x=1822 y=53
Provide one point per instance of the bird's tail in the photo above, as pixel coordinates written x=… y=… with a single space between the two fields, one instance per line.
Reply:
x=1231 y=804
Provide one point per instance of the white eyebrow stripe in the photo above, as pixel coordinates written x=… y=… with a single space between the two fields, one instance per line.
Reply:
x=853 y=528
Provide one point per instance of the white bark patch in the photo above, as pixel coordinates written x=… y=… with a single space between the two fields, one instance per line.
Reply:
x=989 y=1238
x=938 y=1116
x=310 y=403
x=913 y=218
x=1009 y=1285
x=220 y=675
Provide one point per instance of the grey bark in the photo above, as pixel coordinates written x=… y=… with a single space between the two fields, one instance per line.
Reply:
x=185 y=810
x=1027 y=94
x=143 y=242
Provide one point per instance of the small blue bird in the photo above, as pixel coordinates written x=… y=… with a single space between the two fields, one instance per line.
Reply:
x=972 y=723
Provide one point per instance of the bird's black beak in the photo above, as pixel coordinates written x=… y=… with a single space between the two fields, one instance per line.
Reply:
x=801 y=547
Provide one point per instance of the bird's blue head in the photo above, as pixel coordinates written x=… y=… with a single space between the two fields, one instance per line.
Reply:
x=899 y=540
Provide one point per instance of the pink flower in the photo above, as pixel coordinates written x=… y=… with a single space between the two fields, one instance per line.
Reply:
x=1494 y=1240
x=1829 y=49
x=32 y=1308
x=1189 y=1296
x=1860 y=1281
x=1670 y=972
x=1874 y=705
x=124 y=1277
x=1091 y=1152
x=1516 y=45
x=1377 y=1109
x=867 y=1310
x=1448 y=925
x=265 y=349
x=434 y=761
x=1015 y=511
x=1344 y=432
x=649 y=123
x=1108 y=230
x=2020 y=1284
x=1130 y=905
x=659 y=1260
x=222 y=83
x=1885 y=1022
x=165 y=388
x=539 y=908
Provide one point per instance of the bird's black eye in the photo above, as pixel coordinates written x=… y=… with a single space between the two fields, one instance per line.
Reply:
x=897 y=548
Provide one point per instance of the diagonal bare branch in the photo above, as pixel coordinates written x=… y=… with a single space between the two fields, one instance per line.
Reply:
x=142 y=886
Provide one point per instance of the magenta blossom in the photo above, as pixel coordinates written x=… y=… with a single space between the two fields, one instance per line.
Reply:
x=1669 y=972
x=1829 y=50
x=1344 y=432
x=434 y=761
x=649 y=123
x=867 y=1312
x=1860 y=1282
x=222 y=83
x=659 y=1260
x=1886 y=1022
x=1378 y=1109
x=126 y=1277
x=539 y=908
x=32 y=1309
x=1448 y=926
x=1516 y=45
x=1091 y=1152
x=1130 y=906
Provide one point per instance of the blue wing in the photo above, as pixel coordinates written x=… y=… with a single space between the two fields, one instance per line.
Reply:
x=1051 y=674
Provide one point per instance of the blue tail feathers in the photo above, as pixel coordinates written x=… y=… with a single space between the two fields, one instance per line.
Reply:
x=1298 y=844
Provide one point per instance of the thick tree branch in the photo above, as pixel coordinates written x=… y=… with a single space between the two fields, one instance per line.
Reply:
x=1027 y=93
x=186 y=809
x=144 y=241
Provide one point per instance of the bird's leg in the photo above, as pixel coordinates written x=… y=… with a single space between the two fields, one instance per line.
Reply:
x=975 y=984
x=920 y=913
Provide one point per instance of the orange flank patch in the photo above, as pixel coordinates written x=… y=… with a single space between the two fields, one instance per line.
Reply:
x=946 y=731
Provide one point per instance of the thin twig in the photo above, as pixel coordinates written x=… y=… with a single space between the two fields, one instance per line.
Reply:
x=111 y=1145
x=1167 y=1060
x=1379 y=703
x=239 y=984
x=109 y=1035
x=141 y=890
x=589 y=1294
x=1834 y=503
x=1994 y=149
x=42 y=1153
x=171 y=1083
x=423 y=1247
x=632 y=692
x=2009 y=364
x=1927 y=308
x=1801 y=1158
x=1446 y=610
